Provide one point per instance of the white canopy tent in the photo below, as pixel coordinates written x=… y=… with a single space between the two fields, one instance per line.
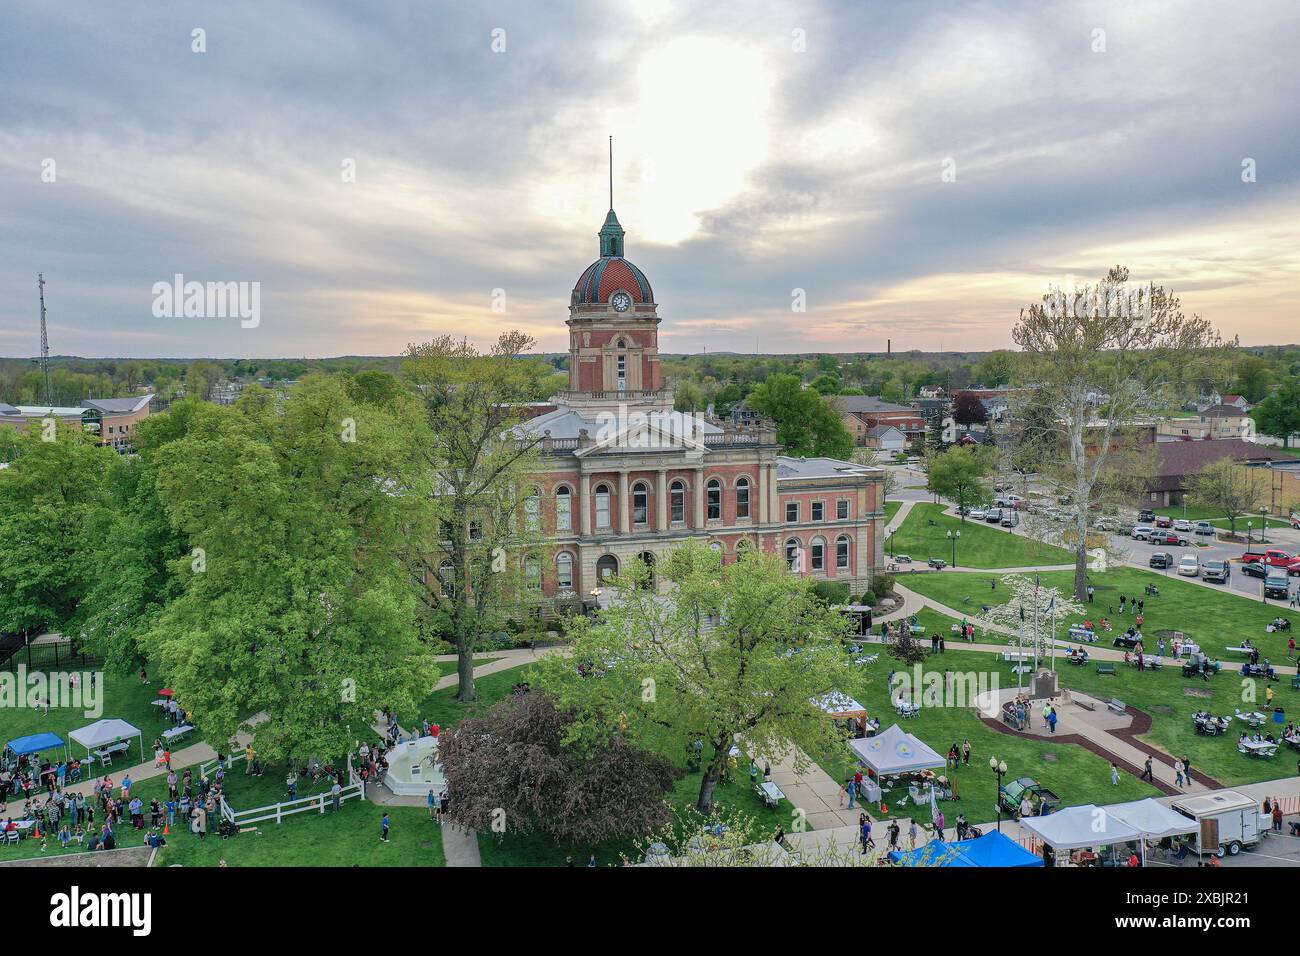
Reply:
x=1076 y=828
x=1155 y=820
x=895 y=751
x=105 y=733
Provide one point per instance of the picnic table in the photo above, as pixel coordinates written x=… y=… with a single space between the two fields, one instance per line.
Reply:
x=770 y=793
x=1242 y=649
x=176 y=733
x=23 y=828
x=1257 y=748
x=1254 y=718
x=1079 y=633
x=105 y=754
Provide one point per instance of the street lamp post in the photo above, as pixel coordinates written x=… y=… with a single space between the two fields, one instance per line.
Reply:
x=1263 y=524
x=999 y=768
x=1249 y=526
x=954 y=537
x=889 y=536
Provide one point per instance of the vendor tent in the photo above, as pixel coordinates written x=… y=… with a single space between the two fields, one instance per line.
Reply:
x=1155 y=820
x=993 y=849
x=105 y=733
x=34 y=743
x=895 y=751
x=1076 y=827
x=843 y=707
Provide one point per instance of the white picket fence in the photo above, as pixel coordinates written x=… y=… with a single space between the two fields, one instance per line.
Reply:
x=278 y=811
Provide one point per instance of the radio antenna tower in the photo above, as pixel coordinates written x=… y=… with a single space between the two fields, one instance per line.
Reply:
x=45 y=343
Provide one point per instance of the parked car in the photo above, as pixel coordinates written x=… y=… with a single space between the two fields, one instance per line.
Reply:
x=1204 y=527
x=1010 y=519
x=1171 y=537
x=1276 y=585
x=1183 y=525
x=1189 y=566
x=1164 y=521
x=1273 y=557
x=1125 y=528
x=937 y=563
x=1143 y=532
x=1161 y=560
x=1217 y=572
x=1147 y=516
x=1254 y=570
x=1011 y=794
x=976 y=514
x=993 y=515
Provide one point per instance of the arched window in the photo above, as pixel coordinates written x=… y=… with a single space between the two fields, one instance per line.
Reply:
x=742 y=497
x=744 y=547
x=717 y=548
x=818 y=554
x=564 y=571
x=602 y=507
x=640 y=503
x=532 y=573
x=677 y=505
x=713 y=496
x=794 y=554
x=842 y=552
x=563 y=509
x=621 y=359
x=647 y=559
x=447 y=579
x=533 y=510
x=606 y=568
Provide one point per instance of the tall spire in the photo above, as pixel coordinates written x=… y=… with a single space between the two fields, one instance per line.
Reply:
x=611 y=233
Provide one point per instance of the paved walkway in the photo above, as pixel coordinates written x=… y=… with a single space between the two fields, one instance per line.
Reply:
x=813 y=791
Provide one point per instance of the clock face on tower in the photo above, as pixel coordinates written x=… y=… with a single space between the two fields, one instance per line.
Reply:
x=621 y=301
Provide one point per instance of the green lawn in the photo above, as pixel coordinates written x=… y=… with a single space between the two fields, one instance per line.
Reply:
x=924 y=534
x=891 y=509
x=1214 y=619
x=123 y=697
x=1075 y=774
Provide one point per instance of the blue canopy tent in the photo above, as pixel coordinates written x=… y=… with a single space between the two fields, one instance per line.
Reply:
x=992 y=849
x=34 y=744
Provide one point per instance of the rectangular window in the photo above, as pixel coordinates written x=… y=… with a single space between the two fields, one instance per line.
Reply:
x=602 y=509
x=842 y=509
x=792 y=511
x=678 y=496
x=742 y=499
x=713 y=495
x=818 y=556
x=818 y=510
x=842 y=554
x=640 y=506
x=563 y=512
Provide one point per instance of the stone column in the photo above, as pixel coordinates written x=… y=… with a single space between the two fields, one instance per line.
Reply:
x=624 y=512
x=761 y=491
x=661 y=500
x=584 y=506
x=699 y=497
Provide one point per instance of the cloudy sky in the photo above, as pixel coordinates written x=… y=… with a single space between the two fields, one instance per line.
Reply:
x=760 y=147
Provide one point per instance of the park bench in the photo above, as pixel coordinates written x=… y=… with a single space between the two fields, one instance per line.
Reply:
x=1117 y=705
x=1105 y=668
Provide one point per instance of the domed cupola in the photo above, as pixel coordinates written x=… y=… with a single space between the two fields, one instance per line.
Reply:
x=611 y=273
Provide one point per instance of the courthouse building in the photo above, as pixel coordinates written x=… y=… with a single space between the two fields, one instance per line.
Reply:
x=625 y=478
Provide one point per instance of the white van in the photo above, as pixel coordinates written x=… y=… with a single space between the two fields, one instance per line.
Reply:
x=1189 y=566
x=1229 y=821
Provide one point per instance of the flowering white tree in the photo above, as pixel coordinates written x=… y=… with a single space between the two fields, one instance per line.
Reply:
x=1031 y=612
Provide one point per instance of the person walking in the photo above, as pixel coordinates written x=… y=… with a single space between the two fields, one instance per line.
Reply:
x=1178 y=773
x=1114 y=775
x=433 y=804
x=1091 y=592
x=1277 y=816
x=1146 y=772
x=383 y=828
x=965 y=752
x=865 y=835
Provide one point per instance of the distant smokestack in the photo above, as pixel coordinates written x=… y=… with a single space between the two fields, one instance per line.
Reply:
x=889 y=348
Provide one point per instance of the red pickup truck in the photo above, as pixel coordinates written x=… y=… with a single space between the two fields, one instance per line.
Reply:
x=1274 y=558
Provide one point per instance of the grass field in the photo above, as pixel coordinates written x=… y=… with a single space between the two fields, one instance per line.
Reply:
x=123 y=697
x=1214 y=619
x=891 y=509
x=924 y=534
x=1074 y=773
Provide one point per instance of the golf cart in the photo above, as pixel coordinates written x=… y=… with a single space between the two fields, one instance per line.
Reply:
x=1043 y=800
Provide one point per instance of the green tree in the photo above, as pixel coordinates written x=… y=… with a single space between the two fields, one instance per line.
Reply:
x=49 y=496
x=805 y=423
x=959 y=474
x=294 y=603
x=481 y=465
x=731 y=652
x=1278 y=416
x=1100 y=366
x=996 y=368
x=1229 y=487
x=1252 y=376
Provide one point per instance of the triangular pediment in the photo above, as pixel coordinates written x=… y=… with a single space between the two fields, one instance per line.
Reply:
x=647 y=432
